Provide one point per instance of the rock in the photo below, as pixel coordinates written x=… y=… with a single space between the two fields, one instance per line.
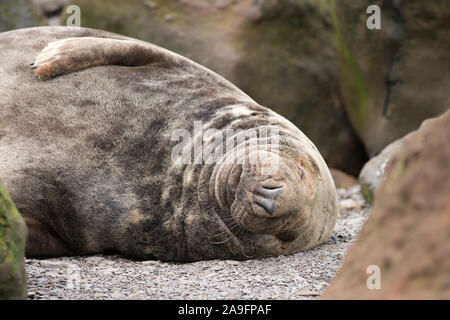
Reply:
x=15 y=14
x=342 y=179
x=50 y=10
x=117 y=296
x=349 y=204
x=393 y=78
x=13 y=279
x=374 y=171
x=217 y=267
x=151 y=262
x=282 y=53
x=308 y=293
x=408 y=232
x=350 y=192
x=94 y=260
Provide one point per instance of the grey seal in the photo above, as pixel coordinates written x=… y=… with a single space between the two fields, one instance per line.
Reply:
x=87 y=145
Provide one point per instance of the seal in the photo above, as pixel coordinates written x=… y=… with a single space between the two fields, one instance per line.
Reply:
x=127 y=147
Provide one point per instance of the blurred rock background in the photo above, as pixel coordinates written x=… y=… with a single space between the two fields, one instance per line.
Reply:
x=351 y=90
x=15 y=14
x=408 y=233
x=394 y=78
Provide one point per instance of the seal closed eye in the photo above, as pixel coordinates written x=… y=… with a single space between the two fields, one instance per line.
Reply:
x=87 y=155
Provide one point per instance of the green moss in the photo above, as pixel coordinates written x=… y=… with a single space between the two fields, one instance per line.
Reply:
x=12 y=249
x=367 y=194
x=353 y=87
x=397 y=170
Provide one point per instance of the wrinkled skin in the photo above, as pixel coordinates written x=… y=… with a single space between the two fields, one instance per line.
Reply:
x=86 y=145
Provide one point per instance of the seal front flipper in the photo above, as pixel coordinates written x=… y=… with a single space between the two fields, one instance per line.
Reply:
x=79 y=53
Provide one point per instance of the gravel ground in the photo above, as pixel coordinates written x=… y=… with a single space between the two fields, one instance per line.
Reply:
x=300 y=276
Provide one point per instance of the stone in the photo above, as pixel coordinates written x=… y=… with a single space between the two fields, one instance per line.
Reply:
x=349 y=204
x=374 y=172
x=94 y=260
x=49 y=7
x=407 y=235
x=393 y=78
x=13 y=278
x=151 y=262
x=342 y=179
x=50 y=10
x=308 y=293
x=15 y=14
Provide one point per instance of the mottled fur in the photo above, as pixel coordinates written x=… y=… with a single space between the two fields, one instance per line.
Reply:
x=86 y=157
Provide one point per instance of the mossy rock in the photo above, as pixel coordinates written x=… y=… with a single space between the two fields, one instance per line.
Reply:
x=408 y=232
x=375 y=172
x=13 y=233
x=16 y=14
x=281 y=53
x=393 y=78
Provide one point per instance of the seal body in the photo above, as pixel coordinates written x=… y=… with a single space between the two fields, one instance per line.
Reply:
x=92 y=160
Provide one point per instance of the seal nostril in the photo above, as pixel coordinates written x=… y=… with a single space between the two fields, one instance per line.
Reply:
x=268 y=192
x=265 y=197
x=267 y=204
